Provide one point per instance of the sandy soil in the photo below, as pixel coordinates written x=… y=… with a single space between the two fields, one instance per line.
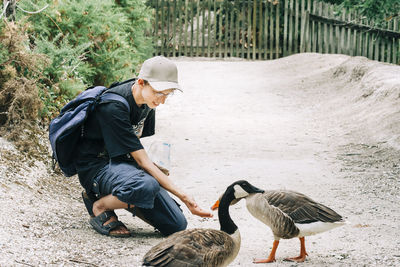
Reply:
x=324 y=125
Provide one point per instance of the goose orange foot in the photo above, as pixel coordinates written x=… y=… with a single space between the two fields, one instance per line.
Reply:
x=263 y=260
x=300 y=258
x=271 y=257
x=303 y=253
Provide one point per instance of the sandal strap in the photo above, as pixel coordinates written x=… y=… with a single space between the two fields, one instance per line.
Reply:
x=105 y=216
x=113 y=225
x=99 y=225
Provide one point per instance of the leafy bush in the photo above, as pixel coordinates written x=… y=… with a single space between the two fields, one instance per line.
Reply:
x=380 y=11
x=68 y=67
x=91 y=42
x=48 y=57
x=86 y=42
x=20 y=71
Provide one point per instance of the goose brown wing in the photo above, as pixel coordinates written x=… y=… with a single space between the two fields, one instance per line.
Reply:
x=189 y=248
x=281 y=224
x=301 y=208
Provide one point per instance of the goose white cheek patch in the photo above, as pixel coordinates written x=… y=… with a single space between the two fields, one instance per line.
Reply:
x=240 y=192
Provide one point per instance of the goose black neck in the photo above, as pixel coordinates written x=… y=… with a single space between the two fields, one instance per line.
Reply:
x=225 y=220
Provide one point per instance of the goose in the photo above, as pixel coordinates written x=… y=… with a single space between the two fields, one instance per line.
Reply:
x=203 y=247
x=289 y=214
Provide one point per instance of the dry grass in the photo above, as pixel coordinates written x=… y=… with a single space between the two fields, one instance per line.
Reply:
x=19 y=92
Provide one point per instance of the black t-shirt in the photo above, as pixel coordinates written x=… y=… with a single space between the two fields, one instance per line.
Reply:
x=111 y=132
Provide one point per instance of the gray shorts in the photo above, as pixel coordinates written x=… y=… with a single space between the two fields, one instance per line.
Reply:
x=134 y=186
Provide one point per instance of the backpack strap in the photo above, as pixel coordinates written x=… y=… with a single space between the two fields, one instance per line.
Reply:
x=114 y=84
x=116 y=97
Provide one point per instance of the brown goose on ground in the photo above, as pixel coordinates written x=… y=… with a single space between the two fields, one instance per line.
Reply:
x=290 y=214
x=203 y=247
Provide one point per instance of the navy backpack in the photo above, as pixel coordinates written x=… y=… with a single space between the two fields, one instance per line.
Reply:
x=67 y=128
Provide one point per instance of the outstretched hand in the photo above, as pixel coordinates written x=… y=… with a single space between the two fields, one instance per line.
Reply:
x=195 y=209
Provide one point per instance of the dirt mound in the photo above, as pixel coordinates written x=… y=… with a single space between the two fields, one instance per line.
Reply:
x=365 y=92
x=372 y=90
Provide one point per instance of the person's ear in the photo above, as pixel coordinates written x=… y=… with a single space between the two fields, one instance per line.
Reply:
x=140 y=82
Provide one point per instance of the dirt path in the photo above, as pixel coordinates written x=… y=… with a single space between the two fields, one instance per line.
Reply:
x=324 y=125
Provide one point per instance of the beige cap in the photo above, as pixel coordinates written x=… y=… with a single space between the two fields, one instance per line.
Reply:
x=161 y=73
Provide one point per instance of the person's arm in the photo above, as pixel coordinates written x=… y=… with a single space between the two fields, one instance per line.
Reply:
x=144 y=162
x=164 y=170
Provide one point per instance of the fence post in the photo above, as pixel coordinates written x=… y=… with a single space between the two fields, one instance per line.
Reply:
x=331 y=30
x=237 y=27
x=291 y=30
x=314 y=29
x=266 y=29
x=254 y=28
x=242 y=28
x=277 y=30
x=302 y=27
x=304 y=30
x=248 y=28
x=372 y=43
x=208 y=28
x=310 y=29
x=260 y=31
x=174 y=18
x=231 y=35
x=321 y=26
x=162 y=36
x=191 y=27
x=220 y=39
x=395 y=43
x=169 y=39
x=349 y=40
x=389 y=43
x=296 y=26
x=198 y=27
x=185 y=36
x=155 y=40
x=285 y=28
x=180 y=24
x=203 y=23
x=271 y=32
x=215 y=29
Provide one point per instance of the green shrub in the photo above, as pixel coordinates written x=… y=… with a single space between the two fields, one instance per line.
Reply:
x=85 y=42
x=92 y=42
x=57 y=53
x=68 y=67
x=378 y=11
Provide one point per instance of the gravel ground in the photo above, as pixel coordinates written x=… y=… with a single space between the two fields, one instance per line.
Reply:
x=324 y=125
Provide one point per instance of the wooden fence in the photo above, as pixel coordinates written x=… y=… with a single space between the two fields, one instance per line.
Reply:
x=267 y=29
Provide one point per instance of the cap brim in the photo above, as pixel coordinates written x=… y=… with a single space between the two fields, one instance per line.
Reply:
x=161 y=86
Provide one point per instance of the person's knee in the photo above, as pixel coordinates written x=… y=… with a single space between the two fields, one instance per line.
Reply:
x=150 y=187
x=140 y=192
x=179 y=224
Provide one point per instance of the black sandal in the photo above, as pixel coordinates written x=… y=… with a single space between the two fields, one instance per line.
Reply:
x=98 y=224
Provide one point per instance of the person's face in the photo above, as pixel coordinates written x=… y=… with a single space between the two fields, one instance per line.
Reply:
x=154 y=98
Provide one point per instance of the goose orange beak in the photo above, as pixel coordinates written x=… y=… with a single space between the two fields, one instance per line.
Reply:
x=215 y=206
